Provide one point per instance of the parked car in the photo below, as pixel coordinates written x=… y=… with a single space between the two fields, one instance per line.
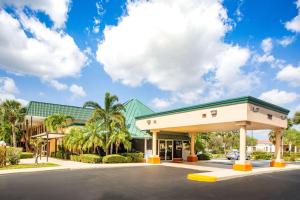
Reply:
x=235 y=155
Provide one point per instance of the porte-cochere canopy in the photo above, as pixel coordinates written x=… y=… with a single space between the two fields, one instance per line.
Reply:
x=244 y=113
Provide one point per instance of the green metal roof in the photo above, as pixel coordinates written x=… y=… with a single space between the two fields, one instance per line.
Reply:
x=133 y=109
x=246 y=99
x=41 y=109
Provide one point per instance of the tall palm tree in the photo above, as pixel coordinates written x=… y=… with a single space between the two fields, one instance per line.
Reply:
x=57 y=122
x=119 y=136
x=107 y=115
x=93 y=136
x=14 y=113
x=74 y=141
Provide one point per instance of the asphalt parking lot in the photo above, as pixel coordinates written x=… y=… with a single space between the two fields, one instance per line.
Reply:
x=150 y=182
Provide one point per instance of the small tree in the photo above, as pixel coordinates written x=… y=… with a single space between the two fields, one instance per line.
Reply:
x=37 y=144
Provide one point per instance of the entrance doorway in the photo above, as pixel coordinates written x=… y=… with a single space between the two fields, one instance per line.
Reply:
x=165 y=149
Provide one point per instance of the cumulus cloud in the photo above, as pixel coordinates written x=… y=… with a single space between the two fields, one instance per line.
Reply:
x=267 y=45
x=57 y=85
x=286 y=40
x=8 y=90
x=294 y=24
x=47 y=53
x=176 y=46
x=77 y=91
x=279 y=97
x=267 y=57
x=56 y=10
x=290 y=74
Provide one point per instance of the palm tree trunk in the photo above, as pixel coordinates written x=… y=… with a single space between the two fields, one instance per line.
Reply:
x=117 y=147
x=111 y=148
x=14 y=136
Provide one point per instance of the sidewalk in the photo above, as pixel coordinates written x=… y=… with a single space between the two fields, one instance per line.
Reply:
x=66 y=164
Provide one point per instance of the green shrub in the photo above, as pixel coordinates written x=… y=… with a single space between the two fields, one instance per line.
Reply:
x=13 y=155
x=90 y=158
x=135 y=157
x=218 y=155
x=60 y=155
x=26 y=155
x=261 y=155
x=2 y=156
x=291 y=157
x=115 y=158
x=75 y=158
x=204 y=156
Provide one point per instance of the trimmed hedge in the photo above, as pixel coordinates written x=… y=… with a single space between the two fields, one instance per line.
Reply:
x=115 y=158
x=2 y=156
x=75 y=158
x=204 y=156
x=261 y=155
x=135 y=157
x=26 y=155
x=90 y=158
x=13 y=155
x=60 y=155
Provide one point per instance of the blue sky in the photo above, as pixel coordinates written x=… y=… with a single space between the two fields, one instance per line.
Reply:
x=165 y=53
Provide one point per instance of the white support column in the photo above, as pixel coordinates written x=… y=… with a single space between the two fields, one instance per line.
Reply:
x=154 y=143
x=145 y=147
x=278 y=161
x=243 y=138
x=278 y=135
x=242 y=164
x=192 y=157
x=154 y=159
x=192 y=144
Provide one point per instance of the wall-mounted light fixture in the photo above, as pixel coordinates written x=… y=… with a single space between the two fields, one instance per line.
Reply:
x=148 y=122
x=255 y=109
x=283 y=117
x=203 y=115
x=270 y=116
x=214 y=113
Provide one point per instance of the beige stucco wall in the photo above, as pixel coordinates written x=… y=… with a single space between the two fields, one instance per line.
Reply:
x=228 y=118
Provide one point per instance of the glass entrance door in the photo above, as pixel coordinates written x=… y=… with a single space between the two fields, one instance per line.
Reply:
x=166 y=149
x=169 y=150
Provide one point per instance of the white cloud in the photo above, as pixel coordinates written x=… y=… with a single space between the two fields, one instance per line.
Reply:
x=267 y=45
x=47 y=53
x=8 y=89
x=294 y=24
x=290 y=74
x=286 y=40
x=77 y=91
x=57 y=85
x=8 y=85
x=177 y=46
x=267 y=57
x=279 y=97
x=57 y=10
x=161 y=103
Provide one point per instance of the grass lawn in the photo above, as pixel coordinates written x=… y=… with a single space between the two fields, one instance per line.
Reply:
x=23 y=166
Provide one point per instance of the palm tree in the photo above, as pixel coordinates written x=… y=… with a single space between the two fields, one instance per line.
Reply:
x=74 y=141
x=57 y=122
x=120 y=136
x=110 y=113
x=272 y=137
x=93 y=136
x=14 y=113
